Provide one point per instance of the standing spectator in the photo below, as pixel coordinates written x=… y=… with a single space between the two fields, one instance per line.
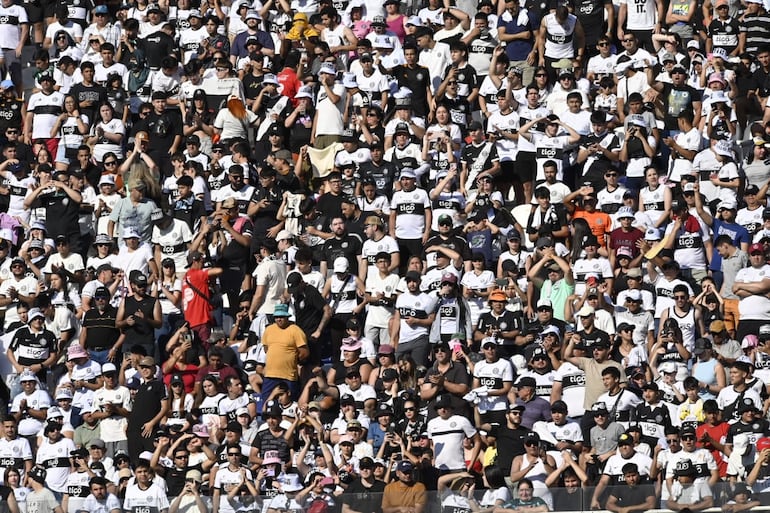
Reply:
x=330 y=105
x=196 y=301
x=143 y=421
x=751 y=285
x=289 y=348
x=518 y=28
x=139 y=314
x=99 y=334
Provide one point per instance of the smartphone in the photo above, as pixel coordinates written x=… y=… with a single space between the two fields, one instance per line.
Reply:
x=270 y=472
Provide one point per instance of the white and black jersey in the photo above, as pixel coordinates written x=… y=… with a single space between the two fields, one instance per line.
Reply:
x=702 y=460
x=13 y=454
x=651 y=419
x=419 y=306
x=573 y=388
x=46 y=109
x=615 y=463
x=228 y=407
x=11 y=18
x=410 y=207
x=32 y=348
x=152 y=499
x=493 y=375
x=543 y=382
x=77 y=489
x=448 y=434
x=55 y=458
x=37 y=400
x=729 y=399
x=621 y=405
x=478 y=158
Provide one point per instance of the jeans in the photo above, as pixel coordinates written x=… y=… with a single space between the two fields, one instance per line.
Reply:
x=100 y=357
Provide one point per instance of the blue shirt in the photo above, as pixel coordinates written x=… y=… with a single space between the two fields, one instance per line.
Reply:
x=737 y=232
x=519 y=49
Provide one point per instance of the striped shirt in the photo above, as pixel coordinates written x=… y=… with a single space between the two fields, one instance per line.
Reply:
x=757 y=30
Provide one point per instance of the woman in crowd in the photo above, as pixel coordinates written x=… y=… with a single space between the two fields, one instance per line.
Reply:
x=107 y=134
x=70 y=127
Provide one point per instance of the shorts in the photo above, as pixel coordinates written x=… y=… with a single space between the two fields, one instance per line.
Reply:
x=49 y=8
x=526 y=166
x=34 y=12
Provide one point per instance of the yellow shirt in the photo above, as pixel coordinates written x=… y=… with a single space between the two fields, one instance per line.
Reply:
x=282 y=347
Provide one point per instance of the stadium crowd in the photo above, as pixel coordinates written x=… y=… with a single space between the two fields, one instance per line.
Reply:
x=344 y=256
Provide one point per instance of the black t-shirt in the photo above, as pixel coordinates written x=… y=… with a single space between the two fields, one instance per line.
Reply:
x=347 y=246
x=141 y=332
x=677 y=99
x=10 y=113
x=299 y=134
x=252 y=85
x=591 y=16
x=189 y=210
x=509 y=321
x=308 y=308
x=101 y=330
x=61 y=213
x=149 y=395
x=510 y=443
x=330 y=205
x=589 y=339
x=383 y=176
x=162 y=128
x=417 y=79
x=363 y=498
x=156 y=46
x=93 y=93
x=235 y=254
x=628 y=496
x=457 y=374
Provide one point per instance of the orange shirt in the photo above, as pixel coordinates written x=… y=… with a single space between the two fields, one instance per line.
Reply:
x=600 y=223
x=397 y=494
x=282 y=348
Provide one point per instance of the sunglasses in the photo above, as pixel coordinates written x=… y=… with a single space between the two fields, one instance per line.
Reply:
x=411 y=408
x=688 y=437
x=111 y=163
x=541 y=75
x=603 y=44
x=233 y=454
x=217 y=150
